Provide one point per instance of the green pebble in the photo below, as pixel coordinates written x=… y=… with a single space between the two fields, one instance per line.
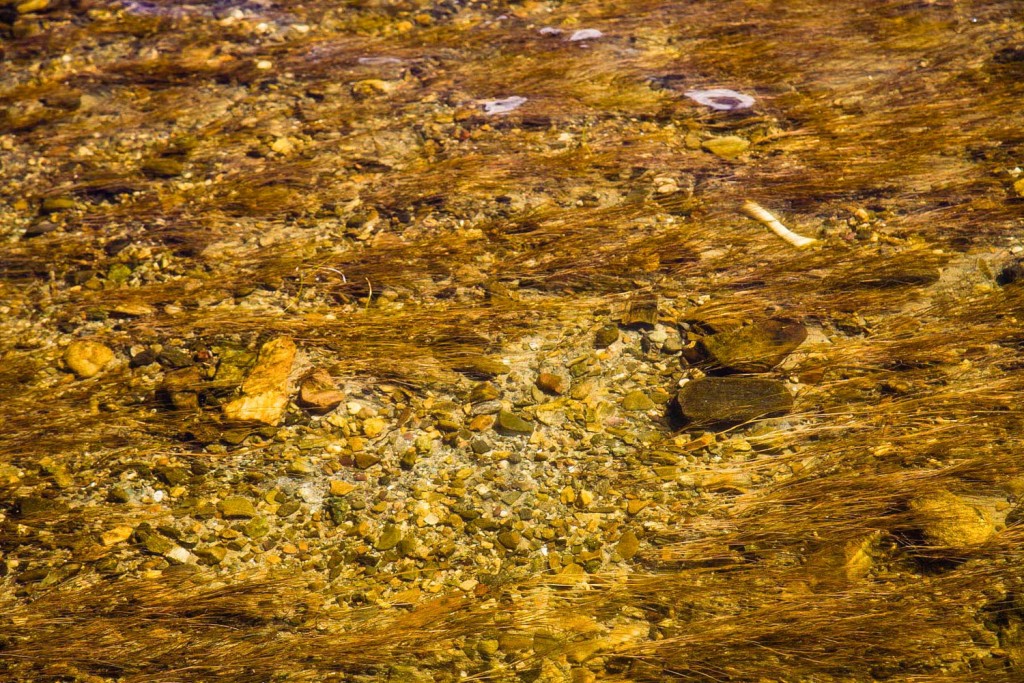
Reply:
x=510 y=539
x=119 y=273
x=289 y=508
x=215 y=554
x=637 y=400
x=158 y=545
x=726 y=147
x=388 y=538
x=512 y=423
x=237 y=507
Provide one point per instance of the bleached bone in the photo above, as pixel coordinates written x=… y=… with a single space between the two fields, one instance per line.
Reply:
x=765 y=217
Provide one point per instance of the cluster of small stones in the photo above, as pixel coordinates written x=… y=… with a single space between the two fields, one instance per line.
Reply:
x=378 y=488
x=388 y=495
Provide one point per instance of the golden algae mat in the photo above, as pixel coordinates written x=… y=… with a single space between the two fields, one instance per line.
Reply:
x=394 y=340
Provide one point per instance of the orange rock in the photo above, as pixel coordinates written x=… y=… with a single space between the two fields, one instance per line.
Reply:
x=552 y=383
x=319 y=392
x=481 y=423
x=265 y=390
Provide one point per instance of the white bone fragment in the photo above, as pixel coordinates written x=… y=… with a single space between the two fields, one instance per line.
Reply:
x=765 y=217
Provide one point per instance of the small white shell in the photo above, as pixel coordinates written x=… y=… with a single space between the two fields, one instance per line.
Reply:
x=721 y=99
x=503 y=106
x=586 y=34
x=550 y=31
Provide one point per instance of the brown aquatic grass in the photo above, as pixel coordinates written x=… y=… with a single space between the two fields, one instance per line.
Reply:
x=490 y=228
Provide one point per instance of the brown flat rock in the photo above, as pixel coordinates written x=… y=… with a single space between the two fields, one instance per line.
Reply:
x=732 y=400
x=552 y=384
x=757 y=347
x=319 y=392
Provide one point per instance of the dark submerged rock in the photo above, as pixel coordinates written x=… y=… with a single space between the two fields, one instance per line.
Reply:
x=642 y=313
x=606 y=336
x=758 y=347
x=510 y=423
x=732 y=400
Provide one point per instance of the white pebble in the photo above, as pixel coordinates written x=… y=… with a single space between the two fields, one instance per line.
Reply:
x=178 y=555
x=380 y=60
x=311 y=494
x=585 y=34
x=721 y=99
x=503 y=106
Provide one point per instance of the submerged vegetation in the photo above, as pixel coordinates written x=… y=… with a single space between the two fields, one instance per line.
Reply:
x=431 y=341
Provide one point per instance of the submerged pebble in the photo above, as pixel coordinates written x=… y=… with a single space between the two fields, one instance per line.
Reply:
x=87 y=358
x=732 y=400
x=379 y=60
x=503 y=106
x=721 y=99
x=585 y=34
x=757 y=347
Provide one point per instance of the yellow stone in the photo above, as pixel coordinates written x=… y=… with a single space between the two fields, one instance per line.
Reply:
x=407 y=597
x=634 y=507
x=30 y=6
x=341 y=488
x=87 y=358
x=119 y=534
x=481 y=423
x=266 y=408
x=583 y=675
x=835 y=565
x=283 y=146
x=948 y=520
x=571 y=575
x=265 y=391
x=726 y=147
x=134 y=310
x=374 y=427
x=1018 y=187
x=371 y=87
x=628 y=545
